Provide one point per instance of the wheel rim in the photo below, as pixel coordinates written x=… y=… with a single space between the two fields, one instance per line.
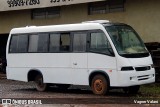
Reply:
x=98 y=85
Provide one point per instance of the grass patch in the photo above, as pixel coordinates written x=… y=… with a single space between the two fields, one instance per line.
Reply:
x=149 y=90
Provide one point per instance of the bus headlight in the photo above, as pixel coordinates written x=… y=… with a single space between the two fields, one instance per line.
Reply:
x=127 y=68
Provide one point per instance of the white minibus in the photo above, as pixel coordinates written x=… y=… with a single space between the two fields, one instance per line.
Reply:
x=100 y=54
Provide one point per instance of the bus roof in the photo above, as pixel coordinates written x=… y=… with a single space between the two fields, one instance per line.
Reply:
x=87 y=25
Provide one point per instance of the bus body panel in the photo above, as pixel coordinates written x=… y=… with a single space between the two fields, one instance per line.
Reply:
x=105 y=63
x=19 y=74
x=79 y=72
x=135 y=62
x=55 y=67
x=129 y=78
x=51 y=65
x=133 y=77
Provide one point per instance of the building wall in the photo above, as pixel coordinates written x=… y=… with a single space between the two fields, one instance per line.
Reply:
x=142 y=15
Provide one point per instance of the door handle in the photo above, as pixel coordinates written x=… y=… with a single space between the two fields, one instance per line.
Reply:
x=74 y=63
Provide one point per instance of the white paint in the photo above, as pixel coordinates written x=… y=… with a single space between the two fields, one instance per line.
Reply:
x=75 y=68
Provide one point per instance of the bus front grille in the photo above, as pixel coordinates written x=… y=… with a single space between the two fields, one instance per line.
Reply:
x=145 y=68
x=144 y=77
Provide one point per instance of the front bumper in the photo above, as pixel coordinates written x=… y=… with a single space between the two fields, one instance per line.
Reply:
x=132 y=78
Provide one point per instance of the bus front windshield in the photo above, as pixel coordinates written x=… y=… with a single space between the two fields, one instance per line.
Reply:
x=127 y=41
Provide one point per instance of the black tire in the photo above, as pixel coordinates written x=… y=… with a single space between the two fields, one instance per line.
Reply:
x=4 y=70
x=132 y=89
x=63 y=86
x=40 y=86
x=99 y=85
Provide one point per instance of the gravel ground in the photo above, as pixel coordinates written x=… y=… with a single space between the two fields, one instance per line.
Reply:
x=74 y=97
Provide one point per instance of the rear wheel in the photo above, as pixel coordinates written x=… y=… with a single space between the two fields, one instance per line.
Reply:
x=40 y=86
x=99 y=85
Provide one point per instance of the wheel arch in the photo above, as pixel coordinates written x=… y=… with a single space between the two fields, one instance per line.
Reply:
x=98 y=72
x=33 y=73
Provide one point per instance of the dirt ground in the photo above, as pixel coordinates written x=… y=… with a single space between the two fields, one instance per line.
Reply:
x=75 y=96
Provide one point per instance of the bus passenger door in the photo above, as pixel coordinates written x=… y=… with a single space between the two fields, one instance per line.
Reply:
x=79 y=74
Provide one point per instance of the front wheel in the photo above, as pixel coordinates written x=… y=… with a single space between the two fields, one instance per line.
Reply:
x=99 y=85
x=40 y=86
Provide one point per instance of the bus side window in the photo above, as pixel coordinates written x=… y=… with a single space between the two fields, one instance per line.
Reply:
x=54 y=45
x=33 y=43
x=38 y=42
x=60 y=42
x=79 y=42
x=19 y=44
x=43 y=42
x=65 y=42
x=100 y=44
